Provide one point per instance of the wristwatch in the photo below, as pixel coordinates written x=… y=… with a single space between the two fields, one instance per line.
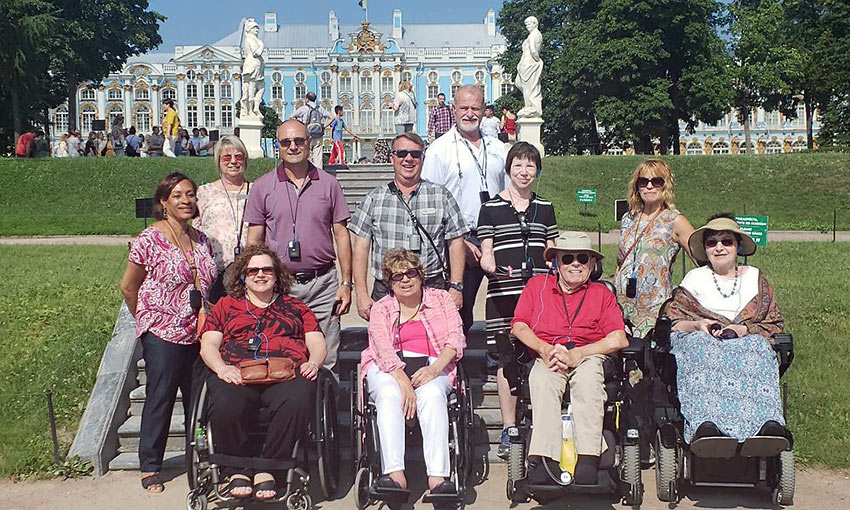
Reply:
x=347 y=284
x=458 y=286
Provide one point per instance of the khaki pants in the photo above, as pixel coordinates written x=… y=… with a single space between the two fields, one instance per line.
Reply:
x=316 y=152
x=587 y=396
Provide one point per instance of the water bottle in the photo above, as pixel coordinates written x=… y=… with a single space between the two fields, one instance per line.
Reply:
x=568 y=449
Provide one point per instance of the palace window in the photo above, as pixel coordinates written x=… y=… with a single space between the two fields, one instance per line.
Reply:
x=143 y=119
x=720 y=148
x=345 y=83
x=300 y=91
x=114 y=94
x=208 y=75
x=87 y=94
x=192 y=116
x=773 y=147
x=325 y=90
x=277 y=91
x=387 y=118
x=224 y=75
x=191 y=90
x=365 y=82
x=387 y=84
x=367 y=119
x=60 y=120
x=209 y=90
x=507 y=88
x=694 y=149
x=114 y=113
x=143 y=94
x=190 y=75
x=226 y=116
x=433 y=91
x=169 y=93
x=87 y=116
x=226 y=89
x=209 y=115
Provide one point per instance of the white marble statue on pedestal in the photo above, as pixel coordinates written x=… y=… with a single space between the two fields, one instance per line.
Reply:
x=528 y=71
x=253 y=70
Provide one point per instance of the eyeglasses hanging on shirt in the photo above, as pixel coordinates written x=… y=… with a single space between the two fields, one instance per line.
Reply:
x=483 y=193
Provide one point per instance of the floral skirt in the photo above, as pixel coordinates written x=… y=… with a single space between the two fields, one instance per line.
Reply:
x=733 y=383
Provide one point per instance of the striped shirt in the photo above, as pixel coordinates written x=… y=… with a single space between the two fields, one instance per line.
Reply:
x=500 y=222
x=383 y=219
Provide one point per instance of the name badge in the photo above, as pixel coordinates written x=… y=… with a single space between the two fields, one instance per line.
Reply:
x=241 y=196
x=428 y=210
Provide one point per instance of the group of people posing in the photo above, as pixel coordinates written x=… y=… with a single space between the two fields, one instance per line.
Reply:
x=281 y=256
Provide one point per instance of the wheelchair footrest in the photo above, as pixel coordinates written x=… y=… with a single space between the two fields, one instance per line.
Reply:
x=604 y=485
x=764 y=446
x=390 y=495
x=429 y=497
x=715 y=447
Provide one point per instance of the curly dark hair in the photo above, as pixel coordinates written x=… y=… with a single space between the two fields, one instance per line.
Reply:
x=235 y=286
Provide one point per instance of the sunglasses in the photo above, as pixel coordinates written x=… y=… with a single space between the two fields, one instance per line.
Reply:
x=582 y=258
x=227 y=158
x=657 y=182
x=711 y=243
x=401 y=153
x=410 y=273
x=254 y=271
x=287 y=142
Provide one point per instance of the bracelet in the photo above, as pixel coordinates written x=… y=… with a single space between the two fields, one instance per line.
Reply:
x=347 y=283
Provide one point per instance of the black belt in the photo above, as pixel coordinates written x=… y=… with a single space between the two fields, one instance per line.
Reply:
x=303 y=277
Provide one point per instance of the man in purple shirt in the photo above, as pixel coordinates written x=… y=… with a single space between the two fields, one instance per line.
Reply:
x=299 y=211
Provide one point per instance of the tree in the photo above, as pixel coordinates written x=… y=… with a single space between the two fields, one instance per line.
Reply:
x=98 y=36
x=632 y=68
x=764 y=67
x=23 y=26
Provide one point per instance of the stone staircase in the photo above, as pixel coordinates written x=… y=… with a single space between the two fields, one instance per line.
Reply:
x=358 y=180
x=485 y=399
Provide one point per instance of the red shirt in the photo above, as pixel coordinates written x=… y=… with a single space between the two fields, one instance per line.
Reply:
x=282 y=327
x=541 y=307
x=24 y=146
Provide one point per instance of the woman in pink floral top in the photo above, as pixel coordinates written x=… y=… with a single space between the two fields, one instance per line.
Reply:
x=167 y=262
x=415 y=341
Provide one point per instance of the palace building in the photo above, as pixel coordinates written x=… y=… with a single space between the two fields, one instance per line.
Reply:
x=357 y=66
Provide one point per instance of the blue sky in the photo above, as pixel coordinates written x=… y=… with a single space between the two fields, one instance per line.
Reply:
x=201 y=22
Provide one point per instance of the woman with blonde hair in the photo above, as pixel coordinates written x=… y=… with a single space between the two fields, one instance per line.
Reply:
x=404 y=106
x=650 y=237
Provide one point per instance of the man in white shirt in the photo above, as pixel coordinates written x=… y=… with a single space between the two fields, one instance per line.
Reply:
x=490 y=123
x=472 y=167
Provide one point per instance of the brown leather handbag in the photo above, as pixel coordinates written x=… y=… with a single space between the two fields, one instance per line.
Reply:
x=267 y=371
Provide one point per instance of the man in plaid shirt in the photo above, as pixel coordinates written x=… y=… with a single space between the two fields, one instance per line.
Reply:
x=382 y=221
x=442 y=118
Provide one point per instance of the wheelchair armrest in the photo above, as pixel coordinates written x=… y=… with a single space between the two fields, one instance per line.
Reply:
x=635 y=347
x=783 y=344
x=661 y=332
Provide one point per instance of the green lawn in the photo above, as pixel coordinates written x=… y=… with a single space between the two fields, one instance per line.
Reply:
x=95 y=195
x=59 y=305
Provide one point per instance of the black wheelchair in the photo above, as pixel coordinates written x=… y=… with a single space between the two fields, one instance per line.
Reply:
x=713 y=461
x=203 y=464
x=620 y=466
x=366 y=446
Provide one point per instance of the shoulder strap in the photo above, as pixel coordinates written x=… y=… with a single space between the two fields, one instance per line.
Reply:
x=418 y=225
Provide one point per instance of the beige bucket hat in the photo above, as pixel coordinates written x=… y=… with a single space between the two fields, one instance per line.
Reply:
x=571 y=241
x=696 y=243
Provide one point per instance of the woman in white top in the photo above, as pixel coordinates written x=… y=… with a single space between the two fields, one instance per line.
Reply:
x=724 y=315
x=404 y=106
x=221 y=207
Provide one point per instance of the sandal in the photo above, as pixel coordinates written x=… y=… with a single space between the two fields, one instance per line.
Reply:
x=239 y=482
x=153 y=484
x=265 y=483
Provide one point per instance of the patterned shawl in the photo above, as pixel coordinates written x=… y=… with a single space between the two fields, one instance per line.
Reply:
x=761 y=315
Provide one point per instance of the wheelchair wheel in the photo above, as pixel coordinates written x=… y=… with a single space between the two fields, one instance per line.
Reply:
x=196 y=501
x=783 y=493
x=361 y=488
x=355 y=422
x=197 y=471
x=666 y=479
x=467 y=424
x=299 y=501
x=631 y=475
x=328 y=457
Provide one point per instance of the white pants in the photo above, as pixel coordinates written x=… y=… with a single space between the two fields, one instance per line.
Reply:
x=316 y=152
x=433 y=415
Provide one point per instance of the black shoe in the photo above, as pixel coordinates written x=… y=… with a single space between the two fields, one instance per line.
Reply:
x=773 y=428
x=587 y=470
x=385 y=482
x=707 y=429
x=446 y=487
x=537 y=474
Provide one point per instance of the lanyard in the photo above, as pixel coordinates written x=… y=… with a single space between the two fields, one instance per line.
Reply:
x=567 y=312
x=298 y=192
x=189 y=260
x=258 y=327
x=482 y=170
x=237 y=220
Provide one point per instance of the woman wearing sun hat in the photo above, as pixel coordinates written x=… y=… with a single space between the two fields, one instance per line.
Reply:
x=724 y=315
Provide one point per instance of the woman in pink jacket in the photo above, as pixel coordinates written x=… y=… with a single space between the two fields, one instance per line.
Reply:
x=415 y=341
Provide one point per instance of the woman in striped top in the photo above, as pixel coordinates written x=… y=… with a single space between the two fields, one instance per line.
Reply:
x=514 y=228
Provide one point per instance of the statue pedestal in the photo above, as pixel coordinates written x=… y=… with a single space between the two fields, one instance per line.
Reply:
x=250 y=132
x=528 y=130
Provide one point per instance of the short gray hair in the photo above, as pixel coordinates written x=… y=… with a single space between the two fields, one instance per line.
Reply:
x=229 y=141
x=475 y=89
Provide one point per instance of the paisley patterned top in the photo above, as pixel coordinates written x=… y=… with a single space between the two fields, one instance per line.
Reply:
x=163 y=307
x=651 y=263
x=216 y=219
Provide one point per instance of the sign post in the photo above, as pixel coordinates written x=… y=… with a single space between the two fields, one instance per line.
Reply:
x=755 y=227
x=586 y=196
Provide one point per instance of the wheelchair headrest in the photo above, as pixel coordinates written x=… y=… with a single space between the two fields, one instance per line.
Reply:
x=596 y=272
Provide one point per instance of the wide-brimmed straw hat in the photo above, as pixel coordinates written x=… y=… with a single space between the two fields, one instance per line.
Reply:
x=696 y=242
x=571 y=241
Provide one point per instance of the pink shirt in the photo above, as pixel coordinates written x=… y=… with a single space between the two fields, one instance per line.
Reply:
x=414 y=338
x=438 y=316
x=163 y=307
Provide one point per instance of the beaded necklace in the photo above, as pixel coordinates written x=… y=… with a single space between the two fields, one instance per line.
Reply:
x=734 y=285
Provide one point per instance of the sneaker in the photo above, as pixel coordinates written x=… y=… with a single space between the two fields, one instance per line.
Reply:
x=504 y=445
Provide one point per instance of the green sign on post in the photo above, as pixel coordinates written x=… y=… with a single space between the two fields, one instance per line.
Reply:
x=755 y=227
x=586 y=196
